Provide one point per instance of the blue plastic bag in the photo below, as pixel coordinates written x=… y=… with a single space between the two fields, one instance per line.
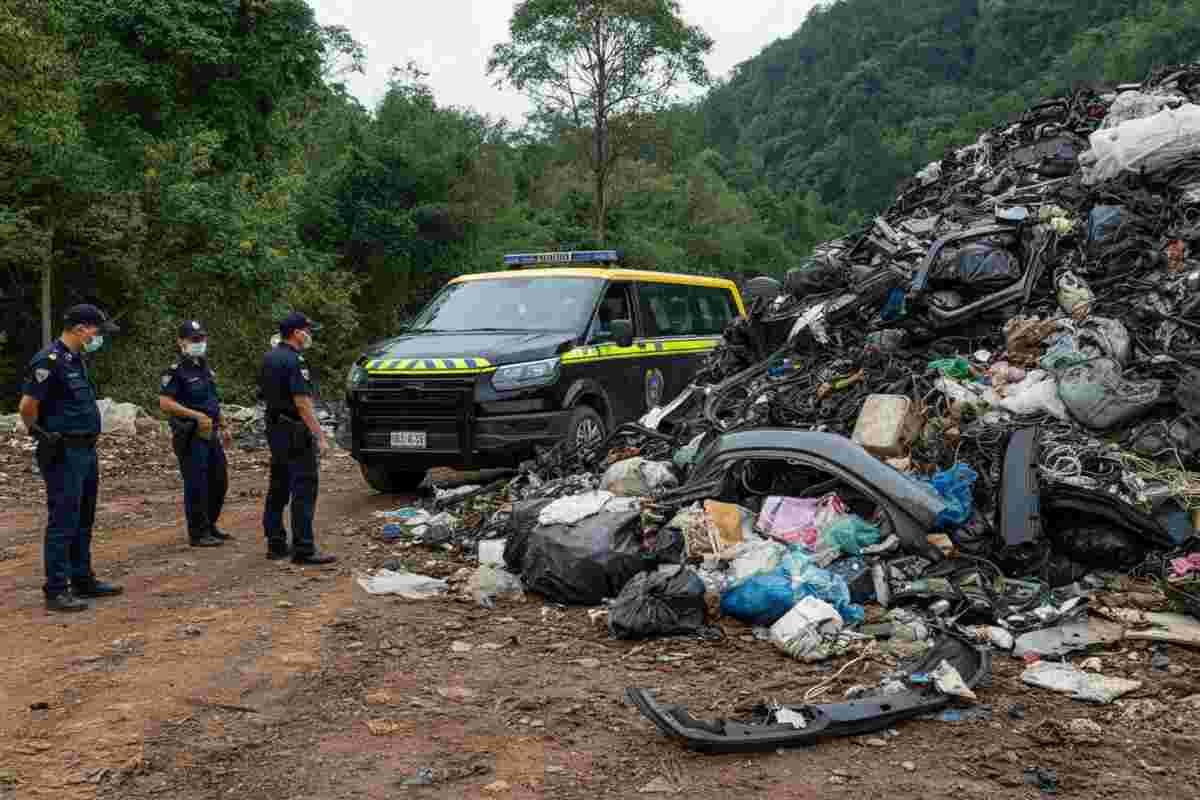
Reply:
x=954 y=486
x=763 y=598
x=760 y=599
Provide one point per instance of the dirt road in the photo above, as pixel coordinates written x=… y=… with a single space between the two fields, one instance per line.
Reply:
x=220 y=674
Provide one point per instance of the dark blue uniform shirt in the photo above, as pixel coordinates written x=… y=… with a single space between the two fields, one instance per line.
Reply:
x=283 y=375
x=58 y=379
x=191 y=383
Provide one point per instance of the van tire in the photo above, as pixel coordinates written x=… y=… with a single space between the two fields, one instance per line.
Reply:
x=585 y=423
x=391 y=481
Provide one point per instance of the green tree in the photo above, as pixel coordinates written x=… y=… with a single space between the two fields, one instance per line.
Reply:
x=597 y=61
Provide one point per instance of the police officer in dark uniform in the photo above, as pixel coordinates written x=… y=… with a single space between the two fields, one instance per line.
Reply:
x=296 y=442
x=58 y=405
x=188 y=395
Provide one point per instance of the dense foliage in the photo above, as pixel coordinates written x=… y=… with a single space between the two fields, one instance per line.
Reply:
x=174 y=159
x=868 y=91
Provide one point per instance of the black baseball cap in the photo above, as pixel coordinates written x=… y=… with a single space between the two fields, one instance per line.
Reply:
x=296 y=321
x=193 y=327
x=87 y=314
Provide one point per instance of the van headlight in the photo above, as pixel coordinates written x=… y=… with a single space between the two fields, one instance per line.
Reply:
x=356 y=378
x=526 y=375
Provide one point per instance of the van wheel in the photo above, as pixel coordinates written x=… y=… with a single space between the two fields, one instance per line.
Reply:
x=585 y=429
x=389 y=481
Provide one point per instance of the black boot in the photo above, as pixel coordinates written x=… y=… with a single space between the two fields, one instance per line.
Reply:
x=204 y=540
x=90 y=587
x=278 y=549
x=217 y=533
x=314 y=559
x=65 y=601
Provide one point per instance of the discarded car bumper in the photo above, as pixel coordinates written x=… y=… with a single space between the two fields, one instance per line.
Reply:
x=824 y=720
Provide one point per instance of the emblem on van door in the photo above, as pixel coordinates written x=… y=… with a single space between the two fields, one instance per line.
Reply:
x=654 y=388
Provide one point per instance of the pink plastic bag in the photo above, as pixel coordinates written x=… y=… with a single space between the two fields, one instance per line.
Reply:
x=799 y=520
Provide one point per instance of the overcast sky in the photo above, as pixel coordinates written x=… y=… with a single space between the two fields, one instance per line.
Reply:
x=452 y=39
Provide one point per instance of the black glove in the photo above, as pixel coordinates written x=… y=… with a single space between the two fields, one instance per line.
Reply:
x=50 y=446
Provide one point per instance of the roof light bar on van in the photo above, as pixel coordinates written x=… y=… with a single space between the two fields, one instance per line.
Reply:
x=567 y=257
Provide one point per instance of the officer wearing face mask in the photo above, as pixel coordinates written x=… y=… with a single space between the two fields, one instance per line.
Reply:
x=296 y=441
x=58 y=405
x=188 y=395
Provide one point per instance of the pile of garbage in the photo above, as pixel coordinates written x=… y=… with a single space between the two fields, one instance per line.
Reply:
x=952 y=434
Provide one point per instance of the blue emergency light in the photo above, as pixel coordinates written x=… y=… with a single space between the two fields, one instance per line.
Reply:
x=568 y=257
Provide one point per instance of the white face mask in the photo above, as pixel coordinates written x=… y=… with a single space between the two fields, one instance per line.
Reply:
x=196 y=349
x=93 y=344
x=306 y=340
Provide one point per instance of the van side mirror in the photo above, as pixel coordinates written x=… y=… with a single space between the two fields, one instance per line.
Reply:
x=622 y=332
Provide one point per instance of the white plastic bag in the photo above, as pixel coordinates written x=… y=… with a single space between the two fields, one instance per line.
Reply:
x=574 y=508
x=805 y=632
x=638 y=477
x=1036 y=394
x=1080 y=685
x=1148 y=145
x=408 y=585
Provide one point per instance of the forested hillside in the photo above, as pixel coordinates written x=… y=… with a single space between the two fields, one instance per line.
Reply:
x=868 y=91
x=174 y=159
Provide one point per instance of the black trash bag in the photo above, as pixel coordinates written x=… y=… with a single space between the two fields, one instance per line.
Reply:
x=521 y=522
x=669 y=546
x=1099 y=546
x=975 y=269
x=585 y=563
x=1187 y=393
x=656 y=604
x=820 y=275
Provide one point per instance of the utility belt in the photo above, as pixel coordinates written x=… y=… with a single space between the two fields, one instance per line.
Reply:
x=300 y=437
x=80 y=439
x=52 y=444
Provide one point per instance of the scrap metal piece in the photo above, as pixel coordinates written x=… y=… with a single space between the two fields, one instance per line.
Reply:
x=1020 y=505
x=767 y=731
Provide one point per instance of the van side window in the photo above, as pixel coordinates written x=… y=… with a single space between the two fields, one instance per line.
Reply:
x=617 y=304
x=714 y=309
x=685 y=310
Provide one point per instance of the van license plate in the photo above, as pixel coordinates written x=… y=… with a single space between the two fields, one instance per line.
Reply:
x=408 y=440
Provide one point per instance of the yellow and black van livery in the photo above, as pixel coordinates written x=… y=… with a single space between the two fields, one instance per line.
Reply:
x=501 y=362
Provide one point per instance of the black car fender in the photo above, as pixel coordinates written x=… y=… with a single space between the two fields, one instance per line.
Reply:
x=585 y=387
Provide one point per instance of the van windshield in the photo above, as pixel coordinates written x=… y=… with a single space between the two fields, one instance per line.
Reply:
x=512 y=304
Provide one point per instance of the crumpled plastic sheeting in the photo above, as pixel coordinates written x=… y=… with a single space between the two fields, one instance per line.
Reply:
x=1143 y=146
x=1097 y=395
x=1131 y=105
x=809 y=631
x=638 y=477
x=1087 y=686
x=572 y=509
x=1036 y=394
x=1188 y=565
x=850 y=533
x=408 y=585
x=799 y=519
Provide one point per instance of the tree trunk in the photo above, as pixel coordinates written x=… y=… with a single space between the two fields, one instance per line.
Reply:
x=47 y=285
x=601 y=204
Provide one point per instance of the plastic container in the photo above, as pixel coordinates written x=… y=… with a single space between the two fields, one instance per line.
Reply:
x=887 y=424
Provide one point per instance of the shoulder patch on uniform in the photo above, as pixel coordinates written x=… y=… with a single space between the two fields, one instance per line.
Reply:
x=41 y=374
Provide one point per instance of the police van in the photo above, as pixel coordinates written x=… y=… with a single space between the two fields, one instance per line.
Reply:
x=558 y=345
